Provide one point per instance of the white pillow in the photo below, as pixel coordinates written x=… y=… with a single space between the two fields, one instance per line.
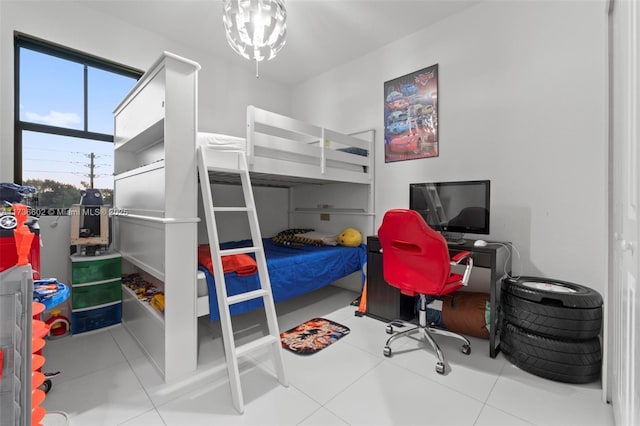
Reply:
x=327 y=240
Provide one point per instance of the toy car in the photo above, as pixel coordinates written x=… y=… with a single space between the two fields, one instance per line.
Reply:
x=398 y=127
x=410 y=142
x=423 y=79
x=396 y=116
x=157 y=302
x=394 y=95
x=409 y=89
x=398 y=104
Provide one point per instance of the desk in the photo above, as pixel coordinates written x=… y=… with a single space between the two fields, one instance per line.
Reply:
x=386 y=303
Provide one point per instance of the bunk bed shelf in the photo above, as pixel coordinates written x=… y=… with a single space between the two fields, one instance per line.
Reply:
x=158 y=165
x=149 y=309
x=135 y=261
x=150 y=136
x=154 y=161
x=146 y=328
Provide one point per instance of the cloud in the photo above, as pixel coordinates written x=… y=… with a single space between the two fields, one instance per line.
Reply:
x=55 y=118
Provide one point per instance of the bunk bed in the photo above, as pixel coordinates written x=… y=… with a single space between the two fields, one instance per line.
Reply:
x=156 y=141
x=283 y=151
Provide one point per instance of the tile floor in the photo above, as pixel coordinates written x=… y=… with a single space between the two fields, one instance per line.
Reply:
x=106 y=380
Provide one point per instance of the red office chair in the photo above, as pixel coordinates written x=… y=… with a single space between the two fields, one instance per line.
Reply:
x=416 y=260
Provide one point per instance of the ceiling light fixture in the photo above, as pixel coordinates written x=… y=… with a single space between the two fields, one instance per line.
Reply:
x=255 y=29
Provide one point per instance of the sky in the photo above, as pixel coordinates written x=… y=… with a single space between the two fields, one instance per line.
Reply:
x=51 y=92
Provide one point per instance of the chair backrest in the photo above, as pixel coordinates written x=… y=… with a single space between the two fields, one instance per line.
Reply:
x=415 y=258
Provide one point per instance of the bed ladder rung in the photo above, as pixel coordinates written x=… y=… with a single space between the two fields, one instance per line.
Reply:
x=250 y=295
x=256 y=344
x=224 y=301
x=240 y=250
x=231 y=209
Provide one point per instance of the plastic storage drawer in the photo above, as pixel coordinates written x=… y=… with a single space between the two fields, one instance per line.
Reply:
x=88 y=295
x=92 y=319
x=88 y=269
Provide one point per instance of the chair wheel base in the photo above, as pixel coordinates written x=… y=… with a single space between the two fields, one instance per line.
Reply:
x=466 y=349
x=386 y=351
x=440 y=368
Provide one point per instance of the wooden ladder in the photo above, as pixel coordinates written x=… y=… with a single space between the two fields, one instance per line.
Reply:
x=232 y=352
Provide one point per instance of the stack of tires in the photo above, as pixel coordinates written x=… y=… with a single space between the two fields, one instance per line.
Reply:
x=550 y=328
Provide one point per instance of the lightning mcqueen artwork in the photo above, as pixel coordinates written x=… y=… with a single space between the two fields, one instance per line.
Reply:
x=411 y=120
x=408 y=142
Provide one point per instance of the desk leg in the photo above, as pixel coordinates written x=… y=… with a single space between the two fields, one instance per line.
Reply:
x=494 y=315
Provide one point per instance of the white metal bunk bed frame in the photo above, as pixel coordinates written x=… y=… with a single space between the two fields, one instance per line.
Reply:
x=155 y=136
x=279 y=137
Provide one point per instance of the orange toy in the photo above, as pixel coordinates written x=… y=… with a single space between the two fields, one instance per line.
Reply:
x=22 y=234
x=362 y=307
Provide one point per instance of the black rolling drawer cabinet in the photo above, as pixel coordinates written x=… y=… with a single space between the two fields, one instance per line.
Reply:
x=384 y=302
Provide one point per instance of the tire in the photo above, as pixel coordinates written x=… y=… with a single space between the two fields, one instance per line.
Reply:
x=552 y=292
x=8 y=221
x=566 y=361
x=552 y=321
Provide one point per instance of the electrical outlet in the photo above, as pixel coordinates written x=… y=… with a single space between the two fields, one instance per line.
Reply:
x=325 y=216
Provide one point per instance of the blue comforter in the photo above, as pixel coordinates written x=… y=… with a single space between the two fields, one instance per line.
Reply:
x=293 y=271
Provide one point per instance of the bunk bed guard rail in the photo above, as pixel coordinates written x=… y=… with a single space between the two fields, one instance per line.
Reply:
x=277 y=132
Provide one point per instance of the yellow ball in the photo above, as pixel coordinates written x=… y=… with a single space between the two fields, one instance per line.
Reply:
x=350 y=237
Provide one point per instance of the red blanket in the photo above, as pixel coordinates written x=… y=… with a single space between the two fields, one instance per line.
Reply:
x=242 y=264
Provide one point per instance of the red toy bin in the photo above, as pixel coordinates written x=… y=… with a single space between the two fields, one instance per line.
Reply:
x=9 y=253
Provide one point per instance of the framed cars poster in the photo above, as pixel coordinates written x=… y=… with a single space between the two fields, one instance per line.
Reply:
x=411 y=116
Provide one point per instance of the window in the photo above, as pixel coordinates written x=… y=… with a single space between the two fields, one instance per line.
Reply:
x=64 y=120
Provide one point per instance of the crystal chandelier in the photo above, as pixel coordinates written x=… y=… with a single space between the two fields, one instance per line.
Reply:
x=255 y=29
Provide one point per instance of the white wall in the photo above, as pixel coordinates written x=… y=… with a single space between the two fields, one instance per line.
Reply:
x=272 y=205
x=521 y=102
x=224 y=90
x=339 y=196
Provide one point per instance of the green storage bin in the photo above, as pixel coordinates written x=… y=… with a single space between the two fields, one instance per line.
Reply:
x=96 y=294
x=84 y=270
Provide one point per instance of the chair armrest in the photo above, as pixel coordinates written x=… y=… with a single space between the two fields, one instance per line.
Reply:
x=458 y=258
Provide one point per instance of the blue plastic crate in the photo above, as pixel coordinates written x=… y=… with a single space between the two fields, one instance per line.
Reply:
x=93 y=319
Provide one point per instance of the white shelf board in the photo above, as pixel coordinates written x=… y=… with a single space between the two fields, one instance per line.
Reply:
x=139 y=170
x=142 y=265
x=148 y=137
x=153 y=313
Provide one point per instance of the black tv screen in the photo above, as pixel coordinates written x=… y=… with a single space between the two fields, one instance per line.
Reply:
x=453 y=207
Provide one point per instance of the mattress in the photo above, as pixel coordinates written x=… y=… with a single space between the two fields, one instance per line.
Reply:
x=293 y=271
x=225 y=142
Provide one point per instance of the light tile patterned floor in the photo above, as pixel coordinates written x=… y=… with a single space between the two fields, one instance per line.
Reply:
x=106 y=380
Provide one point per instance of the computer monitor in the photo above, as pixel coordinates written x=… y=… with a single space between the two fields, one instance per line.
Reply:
x=453 y=208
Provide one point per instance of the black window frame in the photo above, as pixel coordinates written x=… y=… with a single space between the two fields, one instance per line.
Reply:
x=26 y=41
